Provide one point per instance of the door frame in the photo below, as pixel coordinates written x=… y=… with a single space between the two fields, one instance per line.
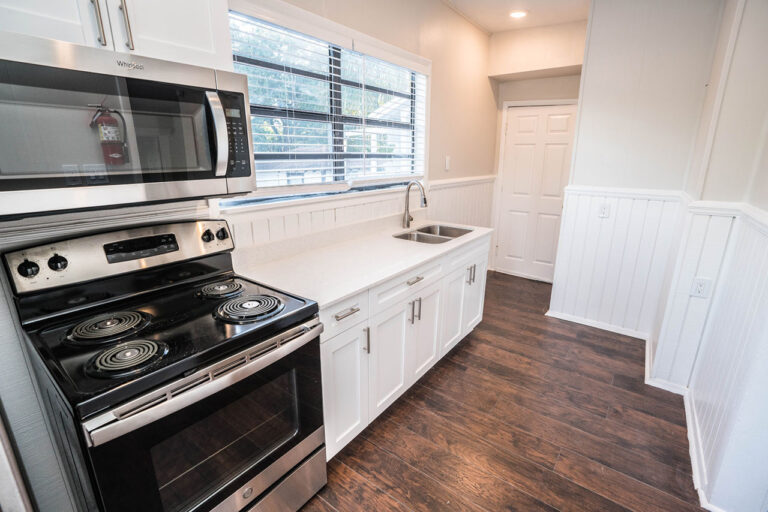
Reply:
x=496 y=203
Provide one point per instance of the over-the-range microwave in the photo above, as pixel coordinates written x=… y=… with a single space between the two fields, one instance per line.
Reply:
x=84 y=128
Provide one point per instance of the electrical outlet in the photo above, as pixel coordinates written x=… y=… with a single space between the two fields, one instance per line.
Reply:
x=605 y=211
x=702 y=286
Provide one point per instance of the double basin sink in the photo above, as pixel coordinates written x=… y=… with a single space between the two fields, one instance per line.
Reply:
x=434 y=234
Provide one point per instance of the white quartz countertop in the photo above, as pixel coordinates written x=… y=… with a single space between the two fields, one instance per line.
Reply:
x=332 y=273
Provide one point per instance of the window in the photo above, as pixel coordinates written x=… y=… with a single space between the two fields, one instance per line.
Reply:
x=323 y=114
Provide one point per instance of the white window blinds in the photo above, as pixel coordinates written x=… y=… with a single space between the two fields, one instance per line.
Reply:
x=325 y=114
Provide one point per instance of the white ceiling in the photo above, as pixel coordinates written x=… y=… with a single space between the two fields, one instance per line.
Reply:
x=493 y=15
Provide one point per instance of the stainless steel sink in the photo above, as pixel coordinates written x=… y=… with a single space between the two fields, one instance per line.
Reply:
x=425 y=238
x=448 y=231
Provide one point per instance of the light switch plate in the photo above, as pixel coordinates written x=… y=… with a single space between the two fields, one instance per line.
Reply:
x=701 y=287
x=447 y=162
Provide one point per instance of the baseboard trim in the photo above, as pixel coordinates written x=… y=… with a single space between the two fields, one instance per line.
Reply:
x=660 y=383
x=599 y=325
x=520 y=274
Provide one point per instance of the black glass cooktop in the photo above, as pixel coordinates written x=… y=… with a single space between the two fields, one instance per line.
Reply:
x=111 y=352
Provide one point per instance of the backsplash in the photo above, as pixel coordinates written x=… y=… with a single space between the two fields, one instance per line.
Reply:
x=463 y=201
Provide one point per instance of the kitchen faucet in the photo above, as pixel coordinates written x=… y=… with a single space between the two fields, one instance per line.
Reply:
x=407 y=214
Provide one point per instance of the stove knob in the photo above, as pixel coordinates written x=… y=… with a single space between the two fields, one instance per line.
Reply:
x=28 y=268
x=57 y=262
x=207 y=236
x=222 y=234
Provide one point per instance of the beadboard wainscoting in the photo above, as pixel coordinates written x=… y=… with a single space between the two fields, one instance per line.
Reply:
x=704 y=243
x=461 y=200
x=614 y=250
x=725 y=402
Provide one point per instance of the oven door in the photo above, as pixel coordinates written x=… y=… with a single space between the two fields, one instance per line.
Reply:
x=76 y=139
x=225 y=433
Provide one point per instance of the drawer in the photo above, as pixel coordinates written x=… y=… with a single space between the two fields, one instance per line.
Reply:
x=341 y=316
x=467 y=255
x=399 y=288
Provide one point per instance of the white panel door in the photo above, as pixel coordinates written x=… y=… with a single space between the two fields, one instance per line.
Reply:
x=386 y=365
x=423 y=339
x=453 y=300
x=344 y=362
x=189 y=31
x=537 y=159
x=73 y=21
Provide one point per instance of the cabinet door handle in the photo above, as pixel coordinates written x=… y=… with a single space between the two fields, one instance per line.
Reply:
x=415 y=280
x=419 y=308
x=469 y=277
x=474 y=268
x=367 y=347
x=102 y=36
x=351 y=311
x=127 y=20
x=413 y=311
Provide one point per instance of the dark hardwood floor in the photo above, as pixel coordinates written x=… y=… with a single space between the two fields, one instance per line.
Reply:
x=527 y=413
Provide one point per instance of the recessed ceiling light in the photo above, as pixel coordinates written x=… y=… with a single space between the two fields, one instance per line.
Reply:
x=518 y=14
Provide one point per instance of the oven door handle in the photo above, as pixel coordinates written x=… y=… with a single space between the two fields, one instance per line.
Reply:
x=186 y=391
x=219 y=132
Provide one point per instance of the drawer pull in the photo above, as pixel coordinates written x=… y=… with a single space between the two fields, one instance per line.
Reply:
x=351 y=311
x=415 y=280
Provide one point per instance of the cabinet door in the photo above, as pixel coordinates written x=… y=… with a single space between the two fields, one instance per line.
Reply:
x=389 y=330
x=344 y=362
x=189 y=31
x=423 y=344
x=454 y=287
x=73 y=21
x=474 y=295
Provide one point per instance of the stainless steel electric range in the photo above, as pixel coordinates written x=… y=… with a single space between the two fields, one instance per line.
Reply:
x=170 y=382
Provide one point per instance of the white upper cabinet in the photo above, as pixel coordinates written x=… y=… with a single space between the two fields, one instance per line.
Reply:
x=73 y=21
x=188 y=31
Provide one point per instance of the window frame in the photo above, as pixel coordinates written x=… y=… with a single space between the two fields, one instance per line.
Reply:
x=338 y=38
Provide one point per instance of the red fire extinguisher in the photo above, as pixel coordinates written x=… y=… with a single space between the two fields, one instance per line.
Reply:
x=112 y=144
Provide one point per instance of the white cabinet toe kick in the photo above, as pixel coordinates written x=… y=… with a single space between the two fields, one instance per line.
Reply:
x=379 y=342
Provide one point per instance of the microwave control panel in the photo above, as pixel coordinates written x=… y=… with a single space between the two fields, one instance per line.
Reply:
x=237 y=131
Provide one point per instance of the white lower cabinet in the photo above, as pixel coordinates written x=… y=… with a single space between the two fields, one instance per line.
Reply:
x=455 y=285
x=344 y=362
x=423 y=339
x=366 y=367
x=474 y=294
x=390 y=331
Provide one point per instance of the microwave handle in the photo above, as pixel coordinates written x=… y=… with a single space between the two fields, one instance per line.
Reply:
x=191 y=389
x=219 y=131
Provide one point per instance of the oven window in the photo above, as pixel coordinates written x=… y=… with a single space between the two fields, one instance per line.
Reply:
x=62 y=128
x=209 y=453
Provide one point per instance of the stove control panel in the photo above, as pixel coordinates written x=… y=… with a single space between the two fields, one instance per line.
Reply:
x=106 y=254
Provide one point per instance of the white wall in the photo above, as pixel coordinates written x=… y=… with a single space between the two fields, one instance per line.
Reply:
x=645 y=72
x=462 y=113
x=546 y=50
x=737 y=167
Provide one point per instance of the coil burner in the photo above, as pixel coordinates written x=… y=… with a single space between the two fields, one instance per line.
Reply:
x=221 y=290
x=129 y=358
x=249 y=308
x=108 y=327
